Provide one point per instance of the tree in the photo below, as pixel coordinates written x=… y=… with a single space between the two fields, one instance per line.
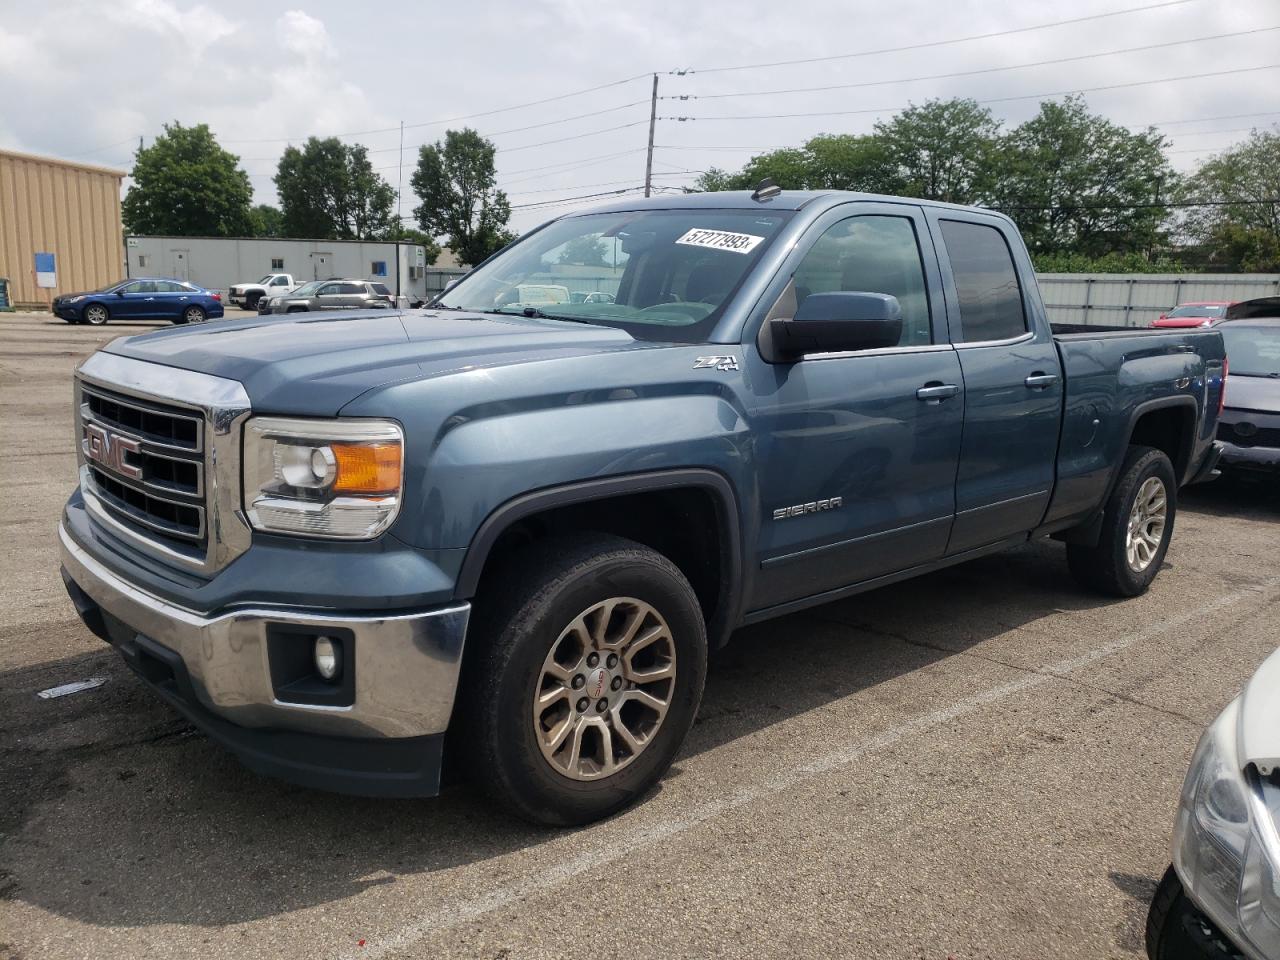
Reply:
x=584 y=251
x=185 y=185
x=825 y=162
x=410 y=235
x=1241 y=229
x=1077 y=183
x=456 y=181
x=266 y=221
x=943 y=150
x=330 y=191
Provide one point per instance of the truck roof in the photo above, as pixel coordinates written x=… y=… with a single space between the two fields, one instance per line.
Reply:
x=786 y=200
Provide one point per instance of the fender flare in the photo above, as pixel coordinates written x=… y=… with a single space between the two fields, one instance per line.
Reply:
x=716 y=484
x=1087 y=531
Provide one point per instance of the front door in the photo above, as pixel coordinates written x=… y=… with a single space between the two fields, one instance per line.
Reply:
x=856 y=465
x=178 y=267
x=1012 y=380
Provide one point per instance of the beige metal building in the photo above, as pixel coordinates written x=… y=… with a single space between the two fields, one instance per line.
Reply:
x=69 y=210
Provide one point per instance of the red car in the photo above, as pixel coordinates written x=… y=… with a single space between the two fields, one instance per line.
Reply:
x=1201 y=314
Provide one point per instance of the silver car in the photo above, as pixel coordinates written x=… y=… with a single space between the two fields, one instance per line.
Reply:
x=330 y=295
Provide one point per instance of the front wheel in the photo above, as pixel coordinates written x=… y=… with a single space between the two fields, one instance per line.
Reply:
x=1136 y=528
x=591 y=657
x=96 y=314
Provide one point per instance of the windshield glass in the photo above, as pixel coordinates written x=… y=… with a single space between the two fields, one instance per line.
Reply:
x=1252 y=351
x=266 y=278
x=1190 y=310
x=308 y=289
x=658 y=274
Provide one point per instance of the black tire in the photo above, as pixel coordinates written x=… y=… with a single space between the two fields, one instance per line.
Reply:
x=95 y=314
x=1105 y=567
x=1176 y=930
x=531 y=600
x=251 y=300
x=297 y=310
x=191 y=314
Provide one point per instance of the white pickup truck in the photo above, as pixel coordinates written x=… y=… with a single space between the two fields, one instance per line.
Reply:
x=247 y=295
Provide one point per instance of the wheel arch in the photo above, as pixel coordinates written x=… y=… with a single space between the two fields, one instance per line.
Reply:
x=628 y=506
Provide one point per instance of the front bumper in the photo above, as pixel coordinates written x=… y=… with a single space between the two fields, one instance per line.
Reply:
x=237 y=676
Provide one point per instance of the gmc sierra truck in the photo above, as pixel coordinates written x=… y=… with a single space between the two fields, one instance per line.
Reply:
x=349 y=546
x=247 y=295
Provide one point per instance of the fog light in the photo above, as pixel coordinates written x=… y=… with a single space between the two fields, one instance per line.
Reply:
x=328 y=658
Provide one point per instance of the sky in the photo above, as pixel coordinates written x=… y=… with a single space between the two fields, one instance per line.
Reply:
x=86 y=79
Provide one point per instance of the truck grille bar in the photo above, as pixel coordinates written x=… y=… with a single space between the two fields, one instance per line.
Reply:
x=159 y=456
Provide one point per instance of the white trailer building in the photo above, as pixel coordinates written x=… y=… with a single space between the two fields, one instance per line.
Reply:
x=218 y=262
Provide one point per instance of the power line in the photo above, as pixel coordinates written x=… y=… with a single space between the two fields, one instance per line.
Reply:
x=588 y=196
x=470 y=116
x=939 y=43
x=1024 y=96
x=607 y=183
x=971 y=73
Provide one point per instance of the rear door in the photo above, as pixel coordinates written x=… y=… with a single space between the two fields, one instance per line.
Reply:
x=1012 y=380
x=172 y=298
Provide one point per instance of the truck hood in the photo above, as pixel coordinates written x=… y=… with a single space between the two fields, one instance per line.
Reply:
x=1260 y=717
x=1253 y=393
x=314 y=364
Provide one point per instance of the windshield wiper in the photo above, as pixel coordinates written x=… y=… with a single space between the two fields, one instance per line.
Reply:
x=535 y=313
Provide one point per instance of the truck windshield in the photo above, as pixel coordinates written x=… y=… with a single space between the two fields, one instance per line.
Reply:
x=268 y=277
x=1199 y=310
x=1252 y=351
x=658 y=274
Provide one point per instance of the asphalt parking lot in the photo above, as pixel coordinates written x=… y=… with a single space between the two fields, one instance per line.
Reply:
x=980 y=763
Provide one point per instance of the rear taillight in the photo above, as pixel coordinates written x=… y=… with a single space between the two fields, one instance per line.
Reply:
x=1222 y=390
x=218 y=297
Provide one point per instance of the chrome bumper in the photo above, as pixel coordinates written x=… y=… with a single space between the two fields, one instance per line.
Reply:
x=406 y=666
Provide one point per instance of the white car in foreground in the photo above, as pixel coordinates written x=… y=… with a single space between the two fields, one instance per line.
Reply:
x=1221 y=897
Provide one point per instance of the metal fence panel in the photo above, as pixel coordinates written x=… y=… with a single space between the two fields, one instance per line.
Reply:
x=1135 y=299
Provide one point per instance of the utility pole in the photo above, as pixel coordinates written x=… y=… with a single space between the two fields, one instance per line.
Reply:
x=400 y=184
x=653 y=119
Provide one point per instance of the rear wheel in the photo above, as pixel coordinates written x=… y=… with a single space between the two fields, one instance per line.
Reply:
x=589 y=670
x=192 y=314
x=96 y=314
x=1136 y=528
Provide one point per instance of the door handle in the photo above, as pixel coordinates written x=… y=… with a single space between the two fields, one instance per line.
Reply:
x=1041 y=381
x=937 y=392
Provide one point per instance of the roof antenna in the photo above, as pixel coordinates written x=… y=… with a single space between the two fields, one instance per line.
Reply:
x=766 y=189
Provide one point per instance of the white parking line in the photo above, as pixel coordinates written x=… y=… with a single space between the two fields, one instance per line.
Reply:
x=614 y=847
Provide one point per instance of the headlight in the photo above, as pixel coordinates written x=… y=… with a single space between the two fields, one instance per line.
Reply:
x=1226 y=846
x=323 y=478
x=72 y=299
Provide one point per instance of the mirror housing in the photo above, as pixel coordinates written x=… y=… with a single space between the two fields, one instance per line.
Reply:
x=120 y=292
x=837 y=322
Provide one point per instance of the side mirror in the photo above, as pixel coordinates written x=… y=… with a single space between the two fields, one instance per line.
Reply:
x=836 y=322
x=120 y=292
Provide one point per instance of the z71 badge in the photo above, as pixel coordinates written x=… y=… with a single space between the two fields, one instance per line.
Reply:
x=813 y=506
x=719 y=363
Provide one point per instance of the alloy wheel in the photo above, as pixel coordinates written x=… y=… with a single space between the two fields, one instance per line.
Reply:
x=604 y=689
x=1146 y=524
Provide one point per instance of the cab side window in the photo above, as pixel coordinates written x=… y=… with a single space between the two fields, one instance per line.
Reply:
x=871 y=254
x=986 y=282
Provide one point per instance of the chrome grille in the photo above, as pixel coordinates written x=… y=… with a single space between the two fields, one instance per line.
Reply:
x=157 y=484
x=159 y=454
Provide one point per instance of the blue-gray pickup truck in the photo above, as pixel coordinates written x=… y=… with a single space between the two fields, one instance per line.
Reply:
x=507 y=529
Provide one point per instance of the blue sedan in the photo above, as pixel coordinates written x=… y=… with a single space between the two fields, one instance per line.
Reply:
x=141 y=298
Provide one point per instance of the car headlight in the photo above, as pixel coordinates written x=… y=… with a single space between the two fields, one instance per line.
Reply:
x=1226 y=846
x=72 y=299
x=338 y=479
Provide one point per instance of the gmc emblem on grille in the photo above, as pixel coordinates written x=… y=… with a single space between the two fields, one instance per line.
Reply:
x=109 y=448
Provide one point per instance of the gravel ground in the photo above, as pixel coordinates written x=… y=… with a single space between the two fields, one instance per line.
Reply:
x=980 y=763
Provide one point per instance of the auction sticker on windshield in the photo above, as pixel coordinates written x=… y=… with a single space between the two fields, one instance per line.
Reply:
x=721 y=240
